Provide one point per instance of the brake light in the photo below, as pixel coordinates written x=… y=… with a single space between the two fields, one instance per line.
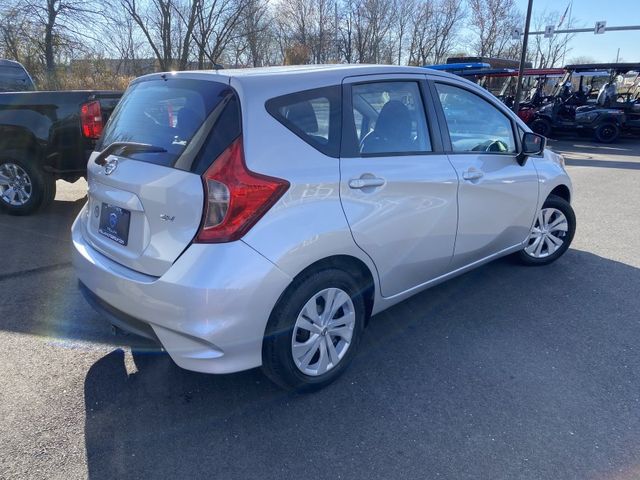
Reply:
x=235 y=197
x=91 y=120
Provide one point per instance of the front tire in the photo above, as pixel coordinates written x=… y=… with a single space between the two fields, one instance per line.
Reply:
x=24 y=188
x=552 y=233
x=541 y=126
x=314 y=331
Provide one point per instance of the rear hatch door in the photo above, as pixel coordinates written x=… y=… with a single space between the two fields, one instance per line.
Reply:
x=145 y=203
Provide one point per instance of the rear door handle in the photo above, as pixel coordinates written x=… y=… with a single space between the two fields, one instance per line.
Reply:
x=366 y=182
x=472 y=174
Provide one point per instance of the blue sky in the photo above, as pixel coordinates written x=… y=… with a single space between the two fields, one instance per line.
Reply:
x=602 y=48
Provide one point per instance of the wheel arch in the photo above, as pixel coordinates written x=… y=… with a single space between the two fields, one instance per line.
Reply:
x=348 y=263
x=20 y=143
x=561 y=191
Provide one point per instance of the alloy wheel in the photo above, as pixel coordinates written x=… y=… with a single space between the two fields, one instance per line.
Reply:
x=15 y=185
x=548 y=233
x=323 y=331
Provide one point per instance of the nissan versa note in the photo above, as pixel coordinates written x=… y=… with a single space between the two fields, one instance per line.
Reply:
x=259 y=217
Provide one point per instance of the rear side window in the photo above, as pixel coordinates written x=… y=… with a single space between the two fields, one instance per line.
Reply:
x=168 y=113
x=389 y=118
x=14 y=79
x=313 y=115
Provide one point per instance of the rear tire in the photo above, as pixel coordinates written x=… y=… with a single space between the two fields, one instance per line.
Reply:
x=552 y=233
x=607 y=133
x=24 y=188
x=324 y=306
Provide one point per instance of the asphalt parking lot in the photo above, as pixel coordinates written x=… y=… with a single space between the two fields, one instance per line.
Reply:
x=507 y=372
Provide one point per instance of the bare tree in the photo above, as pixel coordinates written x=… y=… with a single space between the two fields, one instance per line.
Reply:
x=548 y=52
x=51 y=26
x=448 y=21
x=125 y=46
x=254 y=44
x=405 y=15
x=167 y=26
x=373 y=21
x=345 y=32
x=216 y=27
x=492 y=22
x=14 y=29
x=307 y=26
x=422 y=40
x=435 y=31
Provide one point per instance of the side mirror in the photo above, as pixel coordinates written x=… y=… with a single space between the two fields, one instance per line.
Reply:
x=532 y=144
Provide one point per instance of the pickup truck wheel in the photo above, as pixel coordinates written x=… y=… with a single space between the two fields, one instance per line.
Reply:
x=24 y=188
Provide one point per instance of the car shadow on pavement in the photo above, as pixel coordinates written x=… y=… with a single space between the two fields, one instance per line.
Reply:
x=505 y=372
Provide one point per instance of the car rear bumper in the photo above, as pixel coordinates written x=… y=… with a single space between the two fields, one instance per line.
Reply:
x=209 y=310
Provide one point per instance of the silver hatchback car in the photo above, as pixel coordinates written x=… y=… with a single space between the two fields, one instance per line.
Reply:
x=259 y=217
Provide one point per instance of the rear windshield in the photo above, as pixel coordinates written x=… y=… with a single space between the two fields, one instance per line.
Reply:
x=14 y=79
x=166 y=114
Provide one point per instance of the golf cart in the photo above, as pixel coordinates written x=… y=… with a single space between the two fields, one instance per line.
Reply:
x=502 y=83
x=614 y=112
x=589 y=109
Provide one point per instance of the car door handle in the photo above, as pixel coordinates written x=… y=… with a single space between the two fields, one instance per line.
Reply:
x=472 y=175
x=366 y=182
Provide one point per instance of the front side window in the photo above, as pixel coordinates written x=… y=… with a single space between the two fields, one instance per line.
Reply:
x=474 y=124
x=389 y=118
x=313 y=115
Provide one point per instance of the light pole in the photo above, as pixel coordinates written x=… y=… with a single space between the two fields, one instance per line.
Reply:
x=523 y=58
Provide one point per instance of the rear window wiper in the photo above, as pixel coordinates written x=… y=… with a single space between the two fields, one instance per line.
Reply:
x=122 y=148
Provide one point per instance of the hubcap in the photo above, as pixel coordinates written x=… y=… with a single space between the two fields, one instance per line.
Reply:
x=15 y=185
x=323 y=331
x=548 y=233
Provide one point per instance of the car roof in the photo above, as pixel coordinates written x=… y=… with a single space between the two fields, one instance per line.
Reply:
x=10 y=63
x=326 y=72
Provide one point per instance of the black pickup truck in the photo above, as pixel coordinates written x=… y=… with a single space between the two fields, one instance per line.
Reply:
x=45 y=136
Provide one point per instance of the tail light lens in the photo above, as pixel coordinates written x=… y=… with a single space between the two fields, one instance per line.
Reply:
x=235 y=197
x=91 y=120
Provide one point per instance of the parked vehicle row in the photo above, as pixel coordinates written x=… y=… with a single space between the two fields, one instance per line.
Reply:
x=259 y=217
x=592 y=107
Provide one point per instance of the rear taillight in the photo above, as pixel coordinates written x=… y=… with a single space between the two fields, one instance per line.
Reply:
x=235 y=197
x=91 y=120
